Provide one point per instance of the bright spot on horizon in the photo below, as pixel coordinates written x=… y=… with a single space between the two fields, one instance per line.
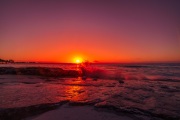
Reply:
x=78 y=60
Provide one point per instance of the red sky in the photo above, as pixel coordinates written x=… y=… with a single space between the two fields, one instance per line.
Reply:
x=106 y=31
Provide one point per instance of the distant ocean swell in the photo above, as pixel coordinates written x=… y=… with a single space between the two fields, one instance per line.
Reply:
x=59 y=72
x=40 y=71
x=94 y=73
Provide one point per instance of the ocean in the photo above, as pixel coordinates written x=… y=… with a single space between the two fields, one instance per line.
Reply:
x=148 y=90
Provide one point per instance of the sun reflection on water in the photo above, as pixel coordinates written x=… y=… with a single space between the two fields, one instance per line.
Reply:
x=74 y=89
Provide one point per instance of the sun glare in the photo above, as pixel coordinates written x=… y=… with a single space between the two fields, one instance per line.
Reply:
x=78 y=60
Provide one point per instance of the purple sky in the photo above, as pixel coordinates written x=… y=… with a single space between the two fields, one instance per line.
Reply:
x=102 y=30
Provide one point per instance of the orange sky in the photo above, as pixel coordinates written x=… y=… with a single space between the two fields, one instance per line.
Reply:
x=95 y=31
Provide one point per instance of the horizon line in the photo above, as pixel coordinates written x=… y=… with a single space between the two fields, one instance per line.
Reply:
x=146 y=62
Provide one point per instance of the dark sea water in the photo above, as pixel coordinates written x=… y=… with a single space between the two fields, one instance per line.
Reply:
x=151 y=90
x=153 y=71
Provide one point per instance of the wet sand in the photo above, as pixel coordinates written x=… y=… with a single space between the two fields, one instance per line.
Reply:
x=67 y=112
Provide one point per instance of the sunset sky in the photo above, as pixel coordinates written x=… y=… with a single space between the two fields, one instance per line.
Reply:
x=95 y=30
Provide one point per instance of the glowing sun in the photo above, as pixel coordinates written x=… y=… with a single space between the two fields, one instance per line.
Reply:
x=78 y=60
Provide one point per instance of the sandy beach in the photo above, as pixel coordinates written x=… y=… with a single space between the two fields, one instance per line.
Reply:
x=67 y=112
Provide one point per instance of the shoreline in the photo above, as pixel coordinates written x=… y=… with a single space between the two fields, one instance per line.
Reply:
x=66 y=110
